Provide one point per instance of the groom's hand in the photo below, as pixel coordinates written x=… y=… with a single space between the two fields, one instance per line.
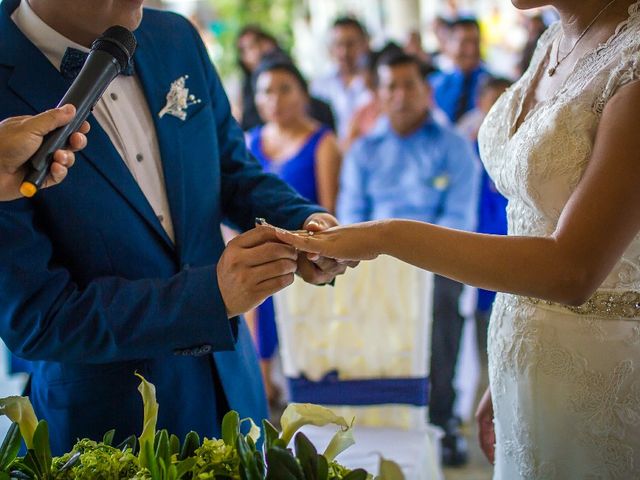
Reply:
x=254 y=266
x=312 y=267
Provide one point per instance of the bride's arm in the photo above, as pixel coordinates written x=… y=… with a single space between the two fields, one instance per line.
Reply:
x=600 y=220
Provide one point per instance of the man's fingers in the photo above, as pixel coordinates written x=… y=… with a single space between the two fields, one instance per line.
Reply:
x=312 y=274
x=57 y=174
x=45 y=122
x=84 y=128
x=77 y=141
x=274 y=285
x=255 y=237
x=329 y=266
x=269 y=252
x=64 y=158
x=315 y=226
x=275 y=269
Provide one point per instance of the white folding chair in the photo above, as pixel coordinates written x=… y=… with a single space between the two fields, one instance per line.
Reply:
x=362 y=349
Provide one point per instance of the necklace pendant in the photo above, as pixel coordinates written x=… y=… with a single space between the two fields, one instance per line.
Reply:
x=551 y=71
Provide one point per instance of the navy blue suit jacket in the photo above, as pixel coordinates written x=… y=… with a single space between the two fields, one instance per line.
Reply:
x=91 y=287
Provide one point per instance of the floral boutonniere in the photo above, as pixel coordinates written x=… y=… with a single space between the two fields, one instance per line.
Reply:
x=441 y=182
x=179 y=99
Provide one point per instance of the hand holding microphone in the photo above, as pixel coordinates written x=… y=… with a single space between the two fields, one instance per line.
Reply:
x=20 y=138
x=109 y=55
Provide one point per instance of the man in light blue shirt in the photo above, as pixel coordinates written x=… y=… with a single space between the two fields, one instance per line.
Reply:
x=411 y=167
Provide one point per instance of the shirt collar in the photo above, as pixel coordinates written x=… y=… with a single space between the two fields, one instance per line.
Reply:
x=383 y=128
x=475 y=72
x=356 y=85
x=51 y=43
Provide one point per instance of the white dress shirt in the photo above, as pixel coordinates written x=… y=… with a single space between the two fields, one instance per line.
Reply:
x=122 y=112
x=343 y=99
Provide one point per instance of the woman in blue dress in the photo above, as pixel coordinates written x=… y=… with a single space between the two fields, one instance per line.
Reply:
x=302 y=152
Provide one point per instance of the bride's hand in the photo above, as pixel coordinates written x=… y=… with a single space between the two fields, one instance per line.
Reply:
x=347 y=243
x=486 y=430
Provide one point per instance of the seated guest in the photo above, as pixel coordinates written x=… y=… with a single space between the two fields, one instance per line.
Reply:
x=414 y=47
x=344 y=88
x=299 y=150
x=412 y=167
x=489 y=91
x=366 y=116
x=441 y=58
x=254 y=45
x=456 y=91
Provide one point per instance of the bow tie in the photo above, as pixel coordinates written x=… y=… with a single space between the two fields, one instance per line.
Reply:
x=74 y=59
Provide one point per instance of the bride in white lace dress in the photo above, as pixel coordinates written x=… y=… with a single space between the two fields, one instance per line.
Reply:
x=563 y=145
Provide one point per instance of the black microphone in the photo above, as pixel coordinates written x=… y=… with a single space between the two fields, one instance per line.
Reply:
x=110 y=54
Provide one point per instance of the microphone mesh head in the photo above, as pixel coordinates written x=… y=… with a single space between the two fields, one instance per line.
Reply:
x=117 y=41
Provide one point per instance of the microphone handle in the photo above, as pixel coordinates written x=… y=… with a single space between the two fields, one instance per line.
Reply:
x=84 y=93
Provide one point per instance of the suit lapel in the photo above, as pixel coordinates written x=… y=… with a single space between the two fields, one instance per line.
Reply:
x=41 y=86
x=156 y=78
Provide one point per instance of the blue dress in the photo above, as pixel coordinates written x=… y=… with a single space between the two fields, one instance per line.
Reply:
x=299 y=172
x=492 y=219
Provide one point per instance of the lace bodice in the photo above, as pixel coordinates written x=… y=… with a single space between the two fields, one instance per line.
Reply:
x=538 y=166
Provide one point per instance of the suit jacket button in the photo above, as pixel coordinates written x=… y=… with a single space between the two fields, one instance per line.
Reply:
x=203 y=350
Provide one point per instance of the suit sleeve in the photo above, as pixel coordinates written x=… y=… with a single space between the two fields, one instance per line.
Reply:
x=248 y=192
x=45 y=315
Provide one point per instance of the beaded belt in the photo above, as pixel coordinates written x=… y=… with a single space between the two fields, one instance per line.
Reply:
x=602 y=304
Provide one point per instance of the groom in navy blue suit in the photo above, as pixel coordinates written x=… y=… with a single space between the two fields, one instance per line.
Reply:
x=122 y=267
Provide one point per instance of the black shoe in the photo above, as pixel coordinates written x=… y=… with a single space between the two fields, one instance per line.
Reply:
x=454 y=446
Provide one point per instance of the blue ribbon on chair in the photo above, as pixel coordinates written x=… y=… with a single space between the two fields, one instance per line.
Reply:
x=330 y=390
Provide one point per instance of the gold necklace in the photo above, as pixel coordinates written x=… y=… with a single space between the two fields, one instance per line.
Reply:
x=553 y=69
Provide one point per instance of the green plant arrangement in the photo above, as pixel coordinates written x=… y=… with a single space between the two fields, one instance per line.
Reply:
x=158 y=455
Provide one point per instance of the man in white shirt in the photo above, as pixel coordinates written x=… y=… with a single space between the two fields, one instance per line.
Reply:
x=345 y=89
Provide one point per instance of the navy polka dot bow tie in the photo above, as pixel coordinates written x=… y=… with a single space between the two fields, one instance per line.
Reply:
x=74 y=59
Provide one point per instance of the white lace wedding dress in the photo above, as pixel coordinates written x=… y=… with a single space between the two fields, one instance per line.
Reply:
x=565 y=381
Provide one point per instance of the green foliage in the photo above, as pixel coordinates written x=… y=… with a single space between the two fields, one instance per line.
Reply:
x=162 y=457
x=96 y=461
x=10 y=448
x=107 y=439
x=281 y=465
x=230 y=428
x=216 y=459
x=190 y=445
x=231 y=15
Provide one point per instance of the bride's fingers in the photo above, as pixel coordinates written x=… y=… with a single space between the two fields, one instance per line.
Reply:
x=304 y=243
